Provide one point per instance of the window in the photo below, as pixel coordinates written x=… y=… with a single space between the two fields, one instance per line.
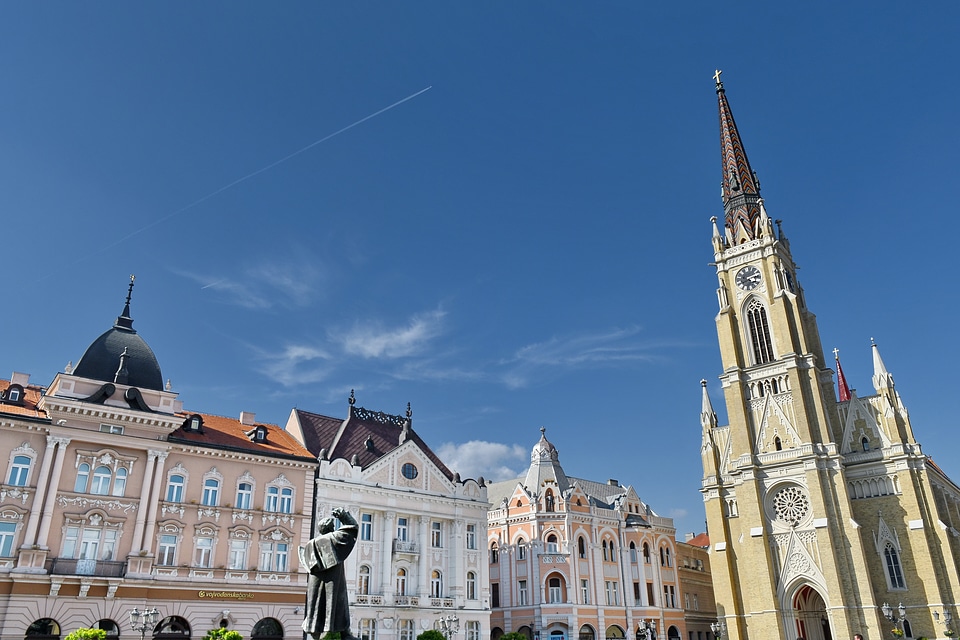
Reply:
x=47 y=628
x=581 y=547
x=267 y=629
x=111 y=428
x=633 y=552
x=13 y=394
x=120 y=482
x=238 y=555
x=494 y=553
x=363 y=585
x=211 y=493
x=686 y=601
x=368 y=629
x=436 y=584
x=471 y=585
x=554 y=591
x=286 y=500
x=8 y=531
x=101 y=481
x=521 y=549
x=83 y=476
x=894 y=571
x=436 y=538
x=696 y=603
x=495 y=594
x=613 y=594
x=273 y=556
x=401 y=582
x=669 y=562
x=605 y=556
x=548 y=501
x=273 y=499
x=473 y=630
x=669 y=596
x=174 y=488
x=551 y=543
x=167 y=551
x=471 y=536
x=522 y=593
x=646 y=553
x=244 y=495
x=88 y=544
x=585 y=591
x=759 y=332
x=636 y=593
x=366 y=526
x=409 y=471
x=651 y=601
x=203 y=554
x=865 y=444
x=19 y=471
x=407 y=630
x=402 y=529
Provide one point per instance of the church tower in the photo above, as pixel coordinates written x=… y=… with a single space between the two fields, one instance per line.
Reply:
x=795 y=550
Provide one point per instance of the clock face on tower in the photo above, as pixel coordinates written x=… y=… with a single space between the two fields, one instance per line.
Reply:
x=748 y=278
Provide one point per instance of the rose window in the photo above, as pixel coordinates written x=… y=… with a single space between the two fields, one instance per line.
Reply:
x=791 y=504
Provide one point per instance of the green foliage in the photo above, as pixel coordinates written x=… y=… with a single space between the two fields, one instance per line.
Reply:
x=85 y=633
x=331 y=635
x=433 y=634
x=222 y=634
x=513 y=635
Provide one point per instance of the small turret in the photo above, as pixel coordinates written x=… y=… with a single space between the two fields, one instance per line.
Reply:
x=882 y=379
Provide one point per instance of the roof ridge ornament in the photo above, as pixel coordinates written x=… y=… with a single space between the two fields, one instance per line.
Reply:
x=124 y=320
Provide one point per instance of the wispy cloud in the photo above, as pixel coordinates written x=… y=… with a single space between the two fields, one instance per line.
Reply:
x=265 y=285
x=375 y=341
x=296 y=365
x=494 y=461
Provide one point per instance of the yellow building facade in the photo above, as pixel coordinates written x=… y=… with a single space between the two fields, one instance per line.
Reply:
x=819 y=510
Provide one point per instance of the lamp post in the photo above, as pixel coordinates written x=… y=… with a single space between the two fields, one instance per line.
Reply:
x=947 y=621
x=896 y=620
x=449 y=625
x=646 y=630
x=143 y=620
x=719 y=628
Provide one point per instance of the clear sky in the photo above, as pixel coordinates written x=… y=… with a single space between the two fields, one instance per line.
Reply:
x=526 y=243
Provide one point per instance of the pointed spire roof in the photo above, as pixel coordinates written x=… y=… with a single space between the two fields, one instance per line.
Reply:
x=545 y=465
x=741 y=188
x=708 y=417
x=882 y=379
x=843 y=390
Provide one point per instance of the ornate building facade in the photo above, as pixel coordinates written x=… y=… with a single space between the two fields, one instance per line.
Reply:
x=113 y=496
x=819 y=510
x=419 y=562
x=573 y=558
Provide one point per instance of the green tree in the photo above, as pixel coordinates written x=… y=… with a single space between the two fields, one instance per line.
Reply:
x=85 y=633
x=432 y=634
x=221 y=633
x=513 y=635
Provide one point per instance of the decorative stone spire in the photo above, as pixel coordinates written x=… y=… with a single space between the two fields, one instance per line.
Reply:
x=545 y=466
x=124 y=321
x=882 y=379
x=741 y=188
x=708 y=417
x=842 y=389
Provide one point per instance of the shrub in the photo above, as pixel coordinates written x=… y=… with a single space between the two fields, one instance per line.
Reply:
x=431 y=634
x=222 y=634
x=85 y=633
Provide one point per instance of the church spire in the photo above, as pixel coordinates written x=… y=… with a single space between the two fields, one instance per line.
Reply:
x=882 y=379
x=708 y=417
x=842 y=389
x=741 y=188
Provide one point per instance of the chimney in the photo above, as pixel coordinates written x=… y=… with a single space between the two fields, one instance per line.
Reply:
x=247 y=418
x=613 y=482
x=19 y=378
x=687 y=537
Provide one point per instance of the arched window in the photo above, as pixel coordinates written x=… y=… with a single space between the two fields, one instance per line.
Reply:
x=587 y=633
x=211 y=493
x=778 y=444
x=552 y=544
x=473 y=630
x=548 y=501
x=44 y=629
x=646 y=553
x=111 y=627
x=172 y=628
x=286 y=500
x=83 y=476
x=174 y=488
x=401 y=581
x=363 y=585
x=759 y=332
x=120 y=482
x=244 y=496
x=436 y=584
x=521 y=549
x=581 y=547
x=673 y=633
x=633 y=552
x=555 y=590
x=267 y=629
x=894 y=571
x=865 y=444
x=669 y=563
x=494 y=553
x=907 y=629
x=471 y=585
x=663 y=558
x=101 y=481
x=19 y=471
x=605 y=556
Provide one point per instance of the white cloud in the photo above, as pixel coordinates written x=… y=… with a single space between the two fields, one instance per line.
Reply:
x=494 y=461
x=374 y=341
x=297 y=364
x=295 y=283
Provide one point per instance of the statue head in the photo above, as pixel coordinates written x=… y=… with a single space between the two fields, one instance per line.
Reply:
x=327 y=525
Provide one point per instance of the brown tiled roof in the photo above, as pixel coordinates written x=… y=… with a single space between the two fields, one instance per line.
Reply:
x=31 y=396
x=701 y=540
x=344 y=439
x=229 y=433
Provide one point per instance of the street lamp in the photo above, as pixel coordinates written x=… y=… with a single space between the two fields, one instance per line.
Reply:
x=449 y=625
x=896 y=620
x=143 y=620
x=646 y=630
x=947 y=621
x=718 y=628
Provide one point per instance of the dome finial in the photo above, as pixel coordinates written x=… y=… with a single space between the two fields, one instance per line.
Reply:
x=543 y=432
x=124 y=320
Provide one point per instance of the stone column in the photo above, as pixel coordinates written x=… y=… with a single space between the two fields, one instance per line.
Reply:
x=148 y=480
x=389 y=585
x=423 y=562
x=154 y=504
x=43 y=479
x=51 y=497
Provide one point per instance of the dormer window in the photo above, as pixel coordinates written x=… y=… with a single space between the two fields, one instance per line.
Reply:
x=260 y=434
x=194 y=424
x=13 y=395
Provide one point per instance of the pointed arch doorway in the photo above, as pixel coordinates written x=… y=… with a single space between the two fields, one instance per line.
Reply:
x=810 y=620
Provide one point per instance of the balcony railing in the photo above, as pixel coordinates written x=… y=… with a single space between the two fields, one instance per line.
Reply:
x=75 y=567
x=403 y=546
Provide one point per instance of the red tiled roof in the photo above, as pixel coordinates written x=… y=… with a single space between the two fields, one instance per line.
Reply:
x=31 y=396
x=702 y=540
x=230 y=433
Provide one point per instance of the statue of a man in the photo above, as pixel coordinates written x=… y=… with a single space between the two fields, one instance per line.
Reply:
x=327 y=606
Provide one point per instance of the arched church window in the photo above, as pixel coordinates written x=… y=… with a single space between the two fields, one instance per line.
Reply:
x=778 y=443
x=552 y=546
x=865 y=443
x=759 y=332
x=894 y=570
x=548 y=501
x=907 y=629
x=581 y=547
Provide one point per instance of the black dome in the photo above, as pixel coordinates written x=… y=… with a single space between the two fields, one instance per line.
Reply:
x=101 y=361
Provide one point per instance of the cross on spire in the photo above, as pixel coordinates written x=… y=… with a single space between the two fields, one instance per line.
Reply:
x=716 y=77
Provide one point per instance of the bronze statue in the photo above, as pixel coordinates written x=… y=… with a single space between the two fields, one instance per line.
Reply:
x=327 y=606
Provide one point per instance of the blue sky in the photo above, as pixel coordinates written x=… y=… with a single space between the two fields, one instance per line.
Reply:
x=525 y=243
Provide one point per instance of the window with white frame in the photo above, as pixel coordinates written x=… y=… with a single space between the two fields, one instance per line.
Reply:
x=473 y=630
x=613 y=594
x=366 y=526
x=552 y=546
x=436 y=584
x=203 y=552
x=494 y=553
x=211 y=493
x=363 y=584
x=407 y=630
x=167 y=550
x=8 y=531
x=273 y=556
x=436 y=535
x=521 y=549
x=89 y=542
x=554 y=591
x=238 y=555
x=368 y=629
x=471 y=536
x=402 y=529
x=401 y=581
x=19 y=471
x=120 y=482
x=471 y=585
x=175 y=486
x=286 y=500
x=244 y=495
x=585 y=591
x=83 y=477
x=522 y=593
x=100 y=484
x=279 y=496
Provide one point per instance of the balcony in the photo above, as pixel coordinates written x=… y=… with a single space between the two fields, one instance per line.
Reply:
x=406 y=601
x=74 y=567
x=402 y=546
